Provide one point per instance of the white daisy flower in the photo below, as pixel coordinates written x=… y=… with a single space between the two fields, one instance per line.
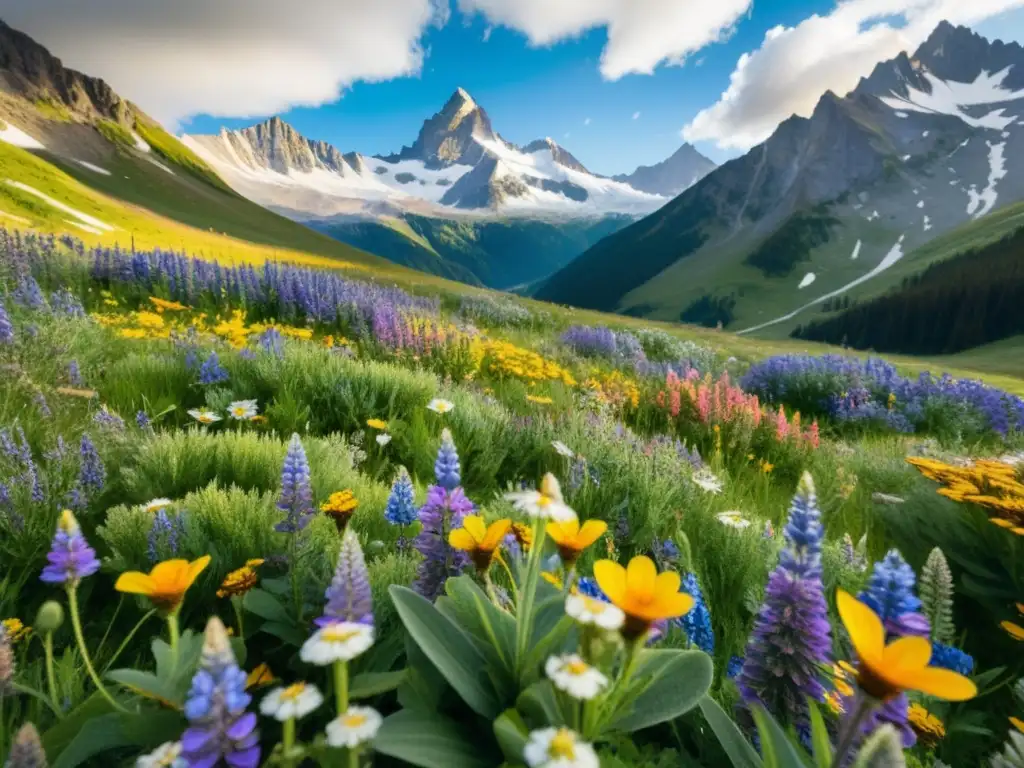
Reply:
x=156 y=505
x=573 y=675
x=383 y=439
x=438 y=405
x=167 y=755
x=291 y=703
x=204 y=415
x=357 y=726
x=734 y=519
x=558 y=748
x=562 y=449
x=545 y=503
x=587 y=610
x=243 y=410
x=706 y=481
x=337 y=642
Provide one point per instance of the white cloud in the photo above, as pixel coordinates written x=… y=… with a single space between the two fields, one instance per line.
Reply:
x=641 y=33
x=586 y=121
x=794 y=66
x=230 y=57
x=636 y=115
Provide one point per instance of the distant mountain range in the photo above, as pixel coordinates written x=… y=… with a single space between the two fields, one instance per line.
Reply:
x=458 y=163
x=838 y=205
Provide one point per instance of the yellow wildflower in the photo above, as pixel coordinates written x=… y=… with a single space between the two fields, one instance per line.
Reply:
x=340 y=507
x=929 y=729
x=240 y=580
x=376 y=424
x=166 y=584
x=540 y=399
x=16 y=629
x=166 y=305
x=260 y=677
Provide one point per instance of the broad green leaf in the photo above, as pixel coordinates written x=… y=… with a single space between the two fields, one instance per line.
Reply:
x=266 y=606
x=429 y=740
x=735 y=744
x=279 y=587
x=448 y=649
x=820 y=741
x=64 y=731
x=551 y=643
x=547 y=613
x=540 y=704
x=511 y=733
x=375 y=683
x=147 y=685
x=114 y=730
x=477 y=615
x=776 y=747
x=676 y=682
x=423 y=686
x=285 y=631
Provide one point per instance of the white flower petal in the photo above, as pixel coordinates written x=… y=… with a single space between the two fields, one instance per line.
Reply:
x=357 y=726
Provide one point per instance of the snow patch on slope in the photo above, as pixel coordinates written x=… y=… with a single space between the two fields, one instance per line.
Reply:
x=93 y=168
x=856 y=250
x=949 y=97
x=140 y=143
x=894 y=255
x=12 y=135
x=809 y=278
x=983 y=202
x=82 y=217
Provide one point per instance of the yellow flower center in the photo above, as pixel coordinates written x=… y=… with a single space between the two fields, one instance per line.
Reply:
x=576 y=667
x=206 y=418
x=239 y=412
x=563 y=745
x=293 y=692
x=336 y=634
x=594 y=606
x=544 y=501
x=353 y=721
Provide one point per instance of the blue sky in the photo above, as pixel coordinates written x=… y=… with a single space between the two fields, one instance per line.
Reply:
x=531 y=93
x=539 y=67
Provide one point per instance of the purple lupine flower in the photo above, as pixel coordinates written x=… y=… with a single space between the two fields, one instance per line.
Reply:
x=272 y=342
x=348 y=596
x=211 y=371
x=29 y=295
x=603 y=342
x=71 y=558
x=6 y=327
x=949 y=657
x=91 y=473
x=64 y=302
x=108 y=419
x=75 y=374
x=296 y=499
x=734 y=667
x=219 y=725
x=791 y=639
x=41 y=405
x=443 y=511
x=446 y=467
x=163 y=535
x=143 y=422
x=32 y=481
x=890 y=594
x=697 y=621
x=401 y=507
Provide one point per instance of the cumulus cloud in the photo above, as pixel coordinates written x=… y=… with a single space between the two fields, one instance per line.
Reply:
x=794 y=66
x=641 y=33
x=636 y=115
x=237 y=58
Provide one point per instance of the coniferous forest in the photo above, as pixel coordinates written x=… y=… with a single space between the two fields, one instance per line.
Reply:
x=974 y=298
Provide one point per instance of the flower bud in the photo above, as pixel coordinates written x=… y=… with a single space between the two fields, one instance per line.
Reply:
x=50 y=617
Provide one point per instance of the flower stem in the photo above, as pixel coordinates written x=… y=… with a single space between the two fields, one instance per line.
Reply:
x=293 y=572
x=341 y=686
x=76 y=625
x=128 y=639
x=51 y=683
x=524 y=616
x=511 y=579
x=174 y=634
x=852 y=728
x=353 y=757
x=117 y=611
x=236 y=604
x=288 y=738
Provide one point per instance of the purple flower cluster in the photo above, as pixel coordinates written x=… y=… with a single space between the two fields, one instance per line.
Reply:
x=697 y=621
x=296 y=499
x=164 y=535
x=495 y=312
x=6 y=327
x=348 y=596
x=272 y=342
x=64 y=302
x=70 y=558
x=29 y=295
x=446 y=468
x=890 y=594
x=91 y=473
x=601 y=341
x=75 y=374
x=401 y=507
x=107 y=419
x=791 y=640
x=853 y=390
x=219 y=725
x=211 y=371
x=443 y=511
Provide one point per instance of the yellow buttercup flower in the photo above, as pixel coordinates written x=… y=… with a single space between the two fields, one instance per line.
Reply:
x=376 y=424
x=240 y=580
x=481 y=541
x=929 y=729
x=260 y=677
x=15 y=629
x=164 y=304
x=166 y=584
x=886 y=671
x=642 y=593
x=571 y=538
x=523 y=534
x=1017 y=723
x=340 y=507
x=540 y=399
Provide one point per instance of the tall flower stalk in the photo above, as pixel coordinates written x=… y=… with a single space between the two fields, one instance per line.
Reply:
x=348 y=596
x=296 y=502
x=937 y=597
x=791 y=640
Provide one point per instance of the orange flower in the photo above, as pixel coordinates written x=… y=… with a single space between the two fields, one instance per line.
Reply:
x=479 y=540
x=886 y=671
x=166 y=584
x=642 y=593
x=571 y=539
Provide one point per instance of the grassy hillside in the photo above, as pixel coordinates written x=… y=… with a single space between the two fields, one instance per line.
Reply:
x=498 y=253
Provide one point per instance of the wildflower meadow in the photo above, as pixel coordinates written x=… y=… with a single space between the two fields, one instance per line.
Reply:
x=269 y=515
